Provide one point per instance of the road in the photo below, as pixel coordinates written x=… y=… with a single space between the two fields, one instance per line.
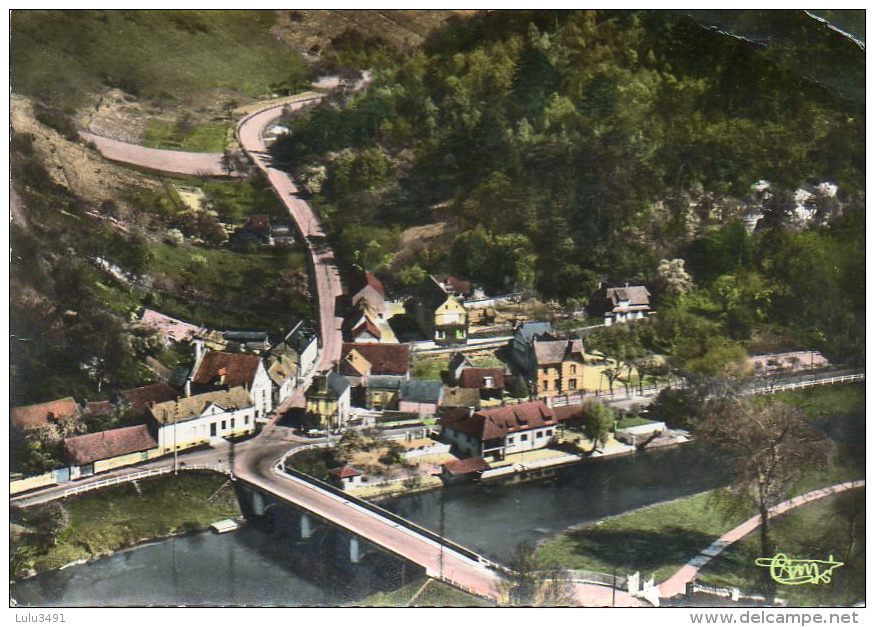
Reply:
x=325 y=273
x=171 y=161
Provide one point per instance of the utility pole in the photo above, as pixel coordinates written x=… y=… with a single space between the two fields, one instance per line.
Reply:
x=175 y=448
x=441 y=534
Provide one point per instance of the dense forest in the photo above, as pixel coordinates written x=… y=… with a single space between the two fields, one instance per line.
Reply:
x=557 y=149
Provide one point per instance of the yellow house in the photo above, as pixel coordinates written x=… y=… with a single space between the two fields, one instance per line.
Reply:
x=440 y=314
x=328 y=400
x=450 y=322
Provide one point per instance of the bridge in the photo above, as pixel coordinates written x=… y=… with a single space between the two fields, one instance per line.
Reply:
x=260 y=474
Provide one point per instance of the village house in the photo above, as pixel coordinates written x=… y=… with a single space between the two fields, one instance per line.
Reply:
x=495 y=433
x=138 y=400
x=381 y=392
x=439 y=313
x=368 y=294
x=458 y=362
x=461 y=469
x=256 y=342
x=361 y=360
x=524 y=336
x=198 y=419
x=328 y=400
x=621 y=304
x=421 y=397
x=454 y=397
x=369 y=312
x=559 y=367
x=283 y=372
x=301 y=343
x=346 y=477
x=33 y=416
x=215 y=370
x=489 y=381
x=96 y=452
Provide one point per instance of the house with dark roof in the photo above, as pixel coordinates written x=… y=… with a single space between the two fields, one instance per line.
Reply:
x=460 y=469
x=458 y=362
x=495 y=433
x=421 y=397
x=489 y=381
x=217 y=370
x=454 y=286
x=200 y=418
x=33 y=416
x=439 y=313
x=359 y=360
x=140 y=399
x=283 y=372
x=328 y=400
x=96 y=452
x=521 y=346
x=559 y=367
x=621 y=304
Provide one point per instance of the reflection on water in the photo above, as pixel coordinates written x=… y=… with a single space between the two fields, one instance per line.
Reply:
x=493 y=519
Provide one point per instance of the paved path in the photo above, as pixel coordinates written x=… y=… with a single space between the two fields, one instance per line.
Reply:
x=677 y=583
x=325 y=273
x=172 y=161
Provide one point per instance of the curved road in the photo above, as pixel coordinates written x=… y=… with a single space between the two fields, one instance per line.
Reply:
x=171 y=161
x=325 y=273
x=677 y=583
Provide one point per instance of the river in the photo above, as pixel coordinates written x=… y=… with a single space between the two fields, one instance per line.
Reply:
x=254 y=567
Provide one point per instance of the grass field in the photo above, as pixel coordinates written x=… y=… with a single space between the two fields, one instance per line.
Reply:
x=833 y=526
x=818 y=402
x=61 y=56
x=429 y=368
x=201 y=138
x=656 y=539
x=435 y=594
x=108 y=520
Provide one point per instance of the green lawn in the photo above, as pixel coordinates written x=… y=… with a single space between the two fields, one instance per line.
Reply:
x=61 y=56
x=632 y=421
x=201 y=138
x=827 y=400
x=235 y=201
x=832 y=526
x=435 y=594
x=429 y=368
x=108 y=520
x=656 y=539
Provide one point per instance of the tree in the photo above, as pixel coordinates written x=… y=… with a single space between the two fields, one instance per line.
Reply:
x=675 y=279
x=531 y=582
x=598 y=420
x=770 y=447
x=50 y=521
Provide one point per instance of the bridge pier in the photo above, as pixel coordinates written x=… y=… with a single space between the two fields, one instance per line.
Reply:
x=306 y=527
x=258 y=503
x=355 y=553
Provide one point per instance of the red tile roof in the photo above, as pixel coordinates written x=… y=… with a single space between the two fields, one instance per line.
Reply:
x=239 y=369
x=475 y=377
x=457 y=285
x=490 y=424
x=466 y=466
x=368 y=279
x=140 y=398
x=391 y=359
x=87 y=449
x=345 y=472
x=31 y=416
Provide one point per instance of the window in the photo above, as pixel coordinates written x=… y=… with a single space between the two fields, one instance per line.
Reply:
x=524 y=437
x=573 y=369
x=212 y=429
x=224 y=423
x=539 y=434
x=246 y=419
x=572 y=384
x=232 y=423
x=488 y=382
x=549 y=432
x=439 y=335
x=510 y=440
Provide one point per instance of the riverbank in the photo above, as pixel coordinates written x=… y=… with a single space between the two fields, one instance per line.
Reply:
x=424 y=593
x=100 y=523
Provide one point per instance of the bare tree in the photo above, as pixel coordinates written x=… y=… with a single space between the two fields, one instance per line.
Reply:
x=770 y=446
x=533 y=583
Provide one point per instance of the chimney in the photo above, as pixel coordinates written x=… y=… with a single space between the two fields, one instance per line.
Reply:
x=188 y=387
x=222 y=373
x=198 y=351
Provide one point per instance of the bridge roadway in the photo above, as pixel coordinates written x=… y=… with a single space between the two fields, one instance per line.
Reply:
x=250 y=132
x=256 y=466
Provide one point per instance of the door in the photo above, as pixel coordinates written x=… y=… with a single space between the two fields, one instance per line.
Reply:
x=212 y=429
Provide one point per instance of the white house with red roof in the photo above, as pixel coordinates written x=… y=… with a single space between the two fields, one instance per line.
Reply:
x=500 y=431
x=217 y=370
